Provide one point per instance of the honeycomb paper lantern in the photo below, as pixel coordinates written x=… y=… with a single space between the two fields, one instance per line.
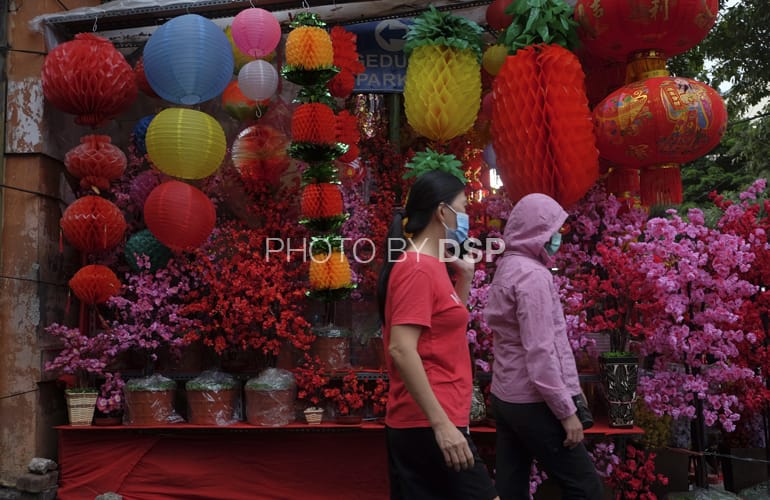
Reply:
x=258 y=80
x=94 y=284
x=92 y=224
x=256 y=32
x=188 y=60
x=179 y=215
x=321 y=200
x=96 y=161
x=89 y=78
x=309 y=48
x=314 y=123
x=541 y=126
x=144 y=244
x=186 y=143
x=659 y=120
x=615 y=29
x=142 y=185
x=330 y=271
x=259 y=155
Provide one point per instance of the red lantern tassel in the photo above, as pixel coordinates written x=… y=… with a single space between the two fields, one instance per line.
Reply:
x=623 y=182
x=661 y=185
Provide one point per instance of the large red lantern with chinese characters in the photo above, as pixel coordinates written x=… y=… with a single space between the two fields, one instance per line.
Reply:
x=615 y=29
x=89 y=78
x=659 y=120
x=655 y=125
x=96 y=161
x=541 y=125
x=179 y=215
x=94 y=284
x=92 y=224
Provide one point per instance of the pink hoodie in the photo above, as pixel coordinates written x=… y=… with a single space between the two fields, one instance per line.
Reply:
x=533 y=359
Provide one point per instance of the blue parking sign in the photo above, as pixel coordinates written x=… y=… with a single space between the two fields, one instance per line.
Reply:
x=381 y=50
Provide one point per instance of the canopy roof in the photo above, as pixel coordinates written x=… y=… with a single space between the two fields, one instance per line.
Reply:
x=128 y=23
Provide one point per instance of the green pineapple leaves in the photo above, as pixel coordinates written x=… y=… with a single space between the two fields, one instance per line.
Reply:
x=442 y=28
x=429 y=160
x=539 y=21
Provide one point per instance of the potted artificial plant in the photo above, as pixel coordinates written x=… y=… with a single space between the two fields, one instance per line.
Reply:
x=270 y=398
x=150 y=401
x=213 y=399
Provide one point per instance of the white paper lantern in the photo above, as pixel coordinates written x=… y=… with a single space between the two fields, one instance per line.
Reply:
x=258 y=80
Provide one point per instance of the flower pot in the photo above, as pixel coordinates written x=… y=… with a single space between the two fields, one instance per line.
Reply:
x=620 y=375
x=332 y=346
x=212 y=407
x=150 y=407
x=81 y=406
x=313 y=415
x=272 y=408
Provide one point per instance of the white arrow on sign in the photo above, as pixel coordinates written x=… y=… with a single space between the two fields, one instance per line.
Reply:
x=389 y=34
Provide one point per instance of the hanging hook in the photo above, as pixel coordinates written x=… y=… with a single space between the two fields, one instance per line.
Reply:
x=93 y=29
x=259 y=112
x=251 y=2
x=305 y=5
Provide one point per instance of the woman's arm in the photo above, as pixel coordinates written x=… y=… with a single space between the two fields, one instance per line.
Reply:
x=403 y=350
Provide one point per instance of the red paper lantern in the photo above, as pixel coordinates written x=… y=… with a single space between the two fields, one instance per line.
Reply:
x=496 y=17
x=89 y=78
x=94 y=284
x=96 y=161
x=179 y=215
x=92 y=224
x=615 y=29
x=541 y=125
x=259 y=155
x=659 y=120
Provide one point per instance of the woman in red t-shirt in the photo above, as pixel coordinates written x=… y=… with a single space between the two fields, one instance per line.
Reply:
x=430 y=453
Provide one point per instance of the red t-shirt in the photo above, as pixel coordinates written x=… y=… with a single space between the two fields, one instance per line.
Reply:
x=421 y=293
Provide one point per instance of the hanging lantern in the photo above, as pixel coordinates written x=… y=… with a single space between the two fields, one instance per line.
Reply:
x=541 y=125
x=186 y=143
x=239 y=58
x=188 y=60
x=94 y=284
x=179 y=215
x=256 y=32
x=259 y=155
x=314 y=123
x=142 y=185
x=623 y=182
x=615 y=29
x=92 y=224
x=241 y=107
x=496 y=17
x=258 y=80
x=141 y=79
x=659 y=120
x=442 y=89
x=329 y=267
x=140 y=134
x=96 y=161
x=144 y=244
x=321 y=200
x=309 y=46
x=89 y=78
x=493 y=58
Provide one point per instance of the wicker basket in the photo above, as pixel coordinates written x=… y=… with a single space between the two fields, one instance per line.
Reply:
x=80 y=406
x=314 y=416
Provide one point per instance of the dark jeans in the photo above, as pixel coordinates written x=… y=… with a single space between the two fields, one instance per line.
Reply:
x=530 y=430
x=418 y=471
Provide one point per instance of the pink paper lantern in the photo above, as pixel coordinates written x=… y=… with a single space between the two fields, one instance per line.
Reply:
x=256 y=32
x=258 y=80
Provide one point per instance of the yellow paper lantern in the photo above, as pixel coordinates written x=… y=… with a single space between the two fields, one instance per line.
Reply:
x=185 y=143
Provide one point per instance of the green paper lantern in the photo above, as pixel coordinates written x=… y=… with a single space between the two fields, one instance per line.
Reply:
x=144 y=243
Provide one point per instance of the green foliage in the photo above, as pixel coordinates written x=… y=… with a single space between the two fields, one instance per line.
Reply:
x=307 y=19
x=428 y=160
x=539 y=21
x=433 y=27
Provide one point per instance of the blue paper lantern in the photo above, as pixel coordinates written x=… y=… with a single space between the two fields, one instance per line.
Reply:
x=188 y=60
x=140 y=134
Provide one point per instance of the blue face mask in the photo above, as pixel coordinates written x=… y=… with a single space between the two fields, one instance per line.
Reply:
x=463 y=224
x=553 y=244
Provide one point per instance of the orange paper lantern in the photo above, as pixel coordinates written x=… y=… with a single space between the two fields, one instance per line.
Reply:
x=541 y=125
x=94 y=284
x=92 y=224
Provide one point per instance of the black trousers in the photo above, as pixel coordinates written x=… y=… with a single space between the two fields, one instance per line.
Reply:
x=531 y=431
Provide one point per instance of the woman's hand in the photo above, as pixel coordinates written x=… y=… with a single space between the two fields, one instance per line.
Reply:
x=454 y=446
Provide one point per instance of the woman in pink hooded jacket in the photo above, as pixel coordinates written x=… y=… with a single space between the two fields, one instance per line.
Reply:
x=534 y=377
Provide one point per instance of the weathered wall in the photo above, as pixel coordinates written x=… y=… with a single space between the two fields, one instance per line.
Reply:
x=33 y=272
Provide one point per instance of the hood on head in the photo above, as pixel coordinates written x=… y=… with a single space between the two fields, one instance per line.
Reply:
x=532 y=222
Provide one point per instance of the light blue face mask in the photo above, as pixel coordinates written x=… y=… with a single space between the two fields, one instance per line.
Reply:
x=552 y=246
x=463 y=224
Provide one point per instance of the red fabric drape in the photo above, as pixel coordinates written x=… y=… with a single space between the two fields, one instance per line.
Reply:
x=234 y=464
